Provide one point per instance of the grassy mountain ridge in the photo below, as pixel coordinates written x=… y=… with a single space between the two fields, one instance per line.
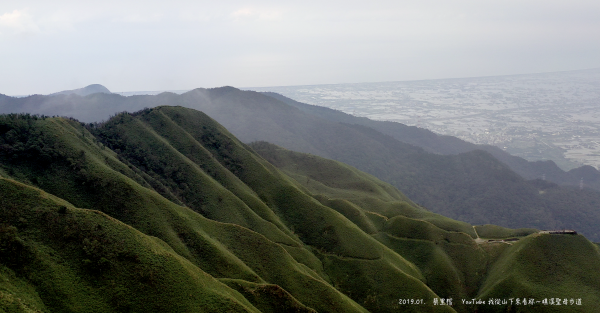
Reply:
x=453 y=263
x=333 y=240
x=515 y=275
x=95 y=177
x=213 y=246
x=470 y=186
x=332 y=180
x=94 y=217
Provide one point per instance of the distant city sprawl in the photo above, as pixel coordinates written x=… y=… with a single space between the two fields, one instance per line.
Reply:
x=550 y=116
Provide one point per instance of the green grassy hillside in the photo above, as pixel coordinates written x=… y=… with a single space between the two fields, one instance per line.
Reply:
x=390 y=218
x=89 y=176
x=225 y=210
x=453 y=263
x=336 y=184
x=59 y=258
x=318 y=226
x=167 y=205
x=544 y=266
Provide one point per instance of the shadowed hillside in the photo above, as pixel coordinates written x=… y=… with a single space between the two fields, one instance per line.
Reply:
x=443 y=144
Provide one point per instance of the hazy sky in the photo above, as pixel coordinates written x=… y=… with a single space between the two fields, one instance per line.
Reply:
x=47 y=46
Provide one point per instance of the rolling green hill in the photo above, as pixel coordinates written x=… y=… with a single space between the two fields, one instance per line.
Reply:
x=241 y=240
x=536 y=267
x=533 y=266
x=56 y=257
x=165 y=210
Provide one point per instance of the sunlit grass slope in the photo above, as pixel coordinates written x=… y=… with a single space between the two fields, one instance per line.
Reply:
x=166 y=203
x=281 y=200
x=453 y=264
x=240 y=219
x=443 y=249
x=329 y=177
x=61 y=258
x=223 y=250
x=336 y=180
x=543 y=266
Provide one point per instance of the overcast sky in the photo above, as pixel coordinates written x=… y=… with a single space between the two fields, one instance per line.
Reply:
x=47 y=46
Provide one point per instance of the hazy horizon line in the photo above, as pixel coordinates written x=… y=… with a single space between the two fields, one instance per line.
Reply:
x=180 y=91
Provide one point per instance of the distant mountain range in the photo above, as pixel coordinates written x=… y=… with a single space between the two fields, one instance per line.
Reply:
x=471 y=186
x=88 y=90
x=544 y=116
x=449 y=145
x=165 y=210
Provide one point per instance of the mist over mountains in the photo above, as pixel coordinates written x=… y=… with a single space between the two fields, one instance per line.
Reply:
x=448 y=145
x=466 y=184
